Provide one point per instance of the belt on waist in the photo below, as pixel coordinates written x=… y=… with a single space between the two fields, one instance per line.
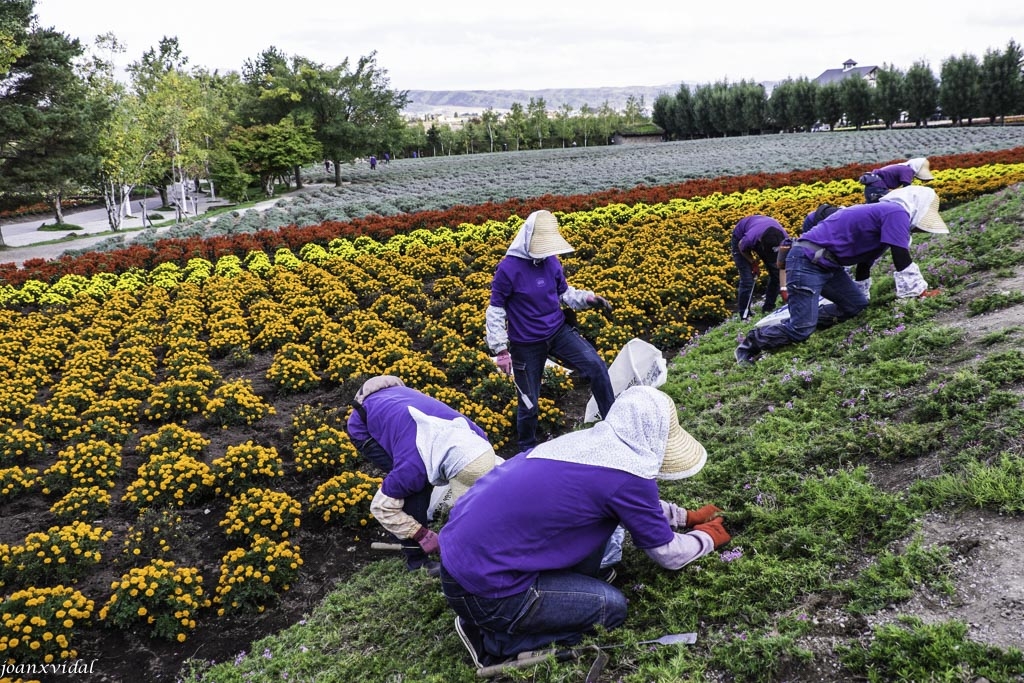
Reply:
x=819 y=251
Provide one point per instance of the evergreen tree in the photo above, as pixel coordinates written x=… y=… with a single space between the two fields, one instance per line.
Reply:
x=922 y=92
x=888 y=96
x=960 y=88
x=1002 y=87
x=48 y=123
x=856 y=98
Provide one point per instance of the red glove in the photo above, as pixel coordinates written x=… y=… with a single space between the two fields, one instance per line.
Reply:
x=785 y=295
x=701 y=516
x=929 y=293
x=427 y=540
x=716 y=531
x=504 y=361
x=755 y=269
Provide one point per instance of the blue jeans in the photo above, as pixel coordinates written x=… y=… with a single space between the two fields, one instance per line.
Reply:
x=569 y=348
x=744 y=295
x=558 y=609
x=806 y=280
x=416 y=505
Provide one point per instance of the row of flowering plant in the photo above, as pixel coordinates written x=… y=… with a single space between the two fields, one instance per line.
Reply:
x=182 y=251
x=266 y=512
x=57 y=555
x=344 y=499
x=159 y=595
x=38 y=623
x=251 y=577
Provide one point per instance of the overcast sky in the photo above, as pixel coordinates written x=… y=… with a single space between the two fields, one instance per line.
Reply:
x=531 y=45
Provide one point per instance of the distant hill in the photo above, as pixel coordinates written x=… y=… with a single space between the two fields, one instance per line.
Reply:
x=475 y=101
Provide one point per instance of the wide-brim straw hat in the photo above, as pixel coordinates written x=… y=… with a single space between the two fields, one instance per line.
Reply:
x=922 y=203
x=467 y=476
x=922 y=169
x=931 y=221
x=546 y=240
x=684 y=455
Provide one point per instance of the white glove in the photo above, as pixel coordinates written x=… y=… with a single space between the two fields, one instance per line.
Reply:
x=865 y=287
x=909 y=282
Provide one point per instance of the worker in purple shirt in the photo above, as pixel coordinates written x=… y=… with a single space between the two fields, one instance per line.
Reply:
x=526 y=324
x=882 y=180
x=521 y=551
x=854 y=236
x=420 y=443
x=756 y=237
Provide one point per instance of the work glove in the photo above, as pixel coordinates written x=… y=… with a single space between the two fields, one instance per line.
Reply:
x=928 y=293
x=785 y=295
x=427 y=540
x=909 y=282
x=602 y=303
x=702 y=515
x=504 y=361
x=716 y=531
x=755 y=269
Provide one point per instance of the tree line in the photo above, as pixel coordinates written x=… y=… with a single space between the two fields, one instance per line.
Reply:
x=68 y=124
x=966 y=89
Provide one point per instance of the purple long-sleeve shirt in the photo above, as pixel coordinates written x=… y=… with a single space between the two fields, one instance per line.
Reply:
x=529 y=292
x=534 y=514
x=390 y=424
x=862 y=233
x=750 y=230
x=895 y=175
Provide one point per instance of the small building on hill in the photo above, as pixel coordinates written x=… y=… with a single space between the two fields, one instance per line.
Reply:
x=849 y=69
x=648 y=132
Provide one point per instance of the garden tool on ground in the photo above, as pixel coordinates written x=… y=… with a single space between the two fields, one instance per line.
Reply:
x=745 y=313
x=527 y=659
x=522 y=395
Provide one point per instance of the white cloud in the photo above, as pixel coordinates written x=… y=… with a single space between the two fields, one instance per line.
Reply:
x=533 y=44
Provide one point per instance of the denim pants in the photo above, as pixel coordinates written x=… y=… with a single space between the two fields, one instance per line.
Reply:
x=416 y=505
x=747 y=280
x=568 y=347
x=558 y=609
x=806 y=281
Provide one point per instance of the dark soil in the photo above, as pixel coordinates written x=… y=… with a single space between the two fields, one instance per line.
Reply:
x=329 y=553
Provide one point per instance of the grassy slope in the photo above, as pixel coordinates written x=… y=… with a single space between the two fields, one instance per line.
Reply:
x=793 y=443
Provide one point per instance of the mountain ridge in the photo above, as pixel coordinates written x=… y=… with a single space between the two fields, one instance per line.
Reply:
x=476 y=101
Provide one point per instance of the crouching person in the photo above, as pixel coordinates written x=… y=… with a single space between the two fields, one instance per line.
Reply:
x=420 y=443
x=855 y=236
x=521 y=552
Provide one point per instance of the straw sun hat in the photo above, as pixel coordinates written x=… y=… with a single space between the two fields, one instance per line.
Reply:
x=922 y=203
x=922 y=169
x=546 y=240
x=684 y=455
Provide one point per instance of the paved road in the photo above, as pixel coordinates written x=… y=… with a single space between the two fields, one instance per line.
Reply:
x=24 y=240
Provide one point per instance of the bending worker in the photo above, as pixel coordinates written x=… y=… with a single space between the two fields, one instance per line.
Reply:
x=526 y=324
x=521 y=551
x=894 y=176
x=854 y=236
x=756 y=237
x=420 y=443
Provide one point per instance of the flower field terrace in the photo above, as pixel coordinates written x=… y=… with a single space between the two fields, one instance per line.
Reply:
x=315 y=217
x=147 y=395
